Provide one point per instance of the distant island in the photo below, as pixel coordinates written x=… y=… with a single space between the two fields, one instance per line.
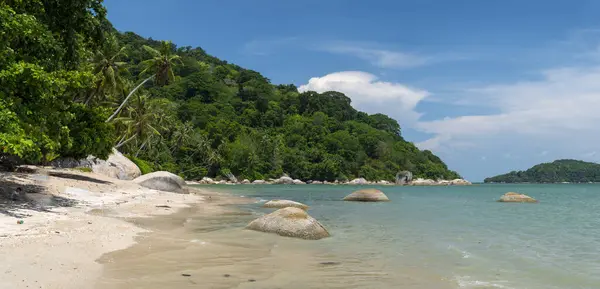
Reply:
x=559 y=171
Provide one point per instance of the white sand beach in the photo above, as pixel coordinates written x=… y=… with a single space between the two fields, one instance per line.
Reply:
x=70 y=219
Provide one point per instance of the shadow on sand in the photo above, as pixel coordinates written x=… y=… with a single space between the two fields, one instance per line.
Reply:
x=16 y=197
x=77 y=177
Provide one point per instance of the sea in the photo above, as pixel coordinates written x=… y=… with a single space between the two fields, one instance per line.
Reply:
x=425 y=238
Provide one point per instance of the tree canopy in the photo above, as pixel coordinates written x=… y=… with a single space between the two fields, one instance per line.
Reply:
x=71 y=85
x=572 y=171
x=43 y=49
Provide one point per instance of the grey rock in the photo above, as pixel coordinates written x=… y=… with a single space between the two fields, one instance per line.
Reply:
x=290 y=222
x=163 y=181
x=367 y=195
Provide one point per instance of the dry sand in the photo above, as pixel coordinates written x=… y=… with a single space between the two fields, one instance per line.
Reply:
x=70 y=219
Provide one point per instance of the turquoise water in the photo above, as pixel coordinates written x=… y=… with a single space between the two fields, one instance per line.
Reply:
x=459 y=234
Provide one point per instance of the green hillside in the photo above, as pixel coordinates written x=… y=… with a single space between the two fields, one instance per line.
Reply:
x=196 y=115
x=572 y=171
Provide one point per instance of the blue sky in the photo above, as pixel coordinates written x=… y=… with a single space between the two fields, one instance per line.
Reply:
x=489 y=86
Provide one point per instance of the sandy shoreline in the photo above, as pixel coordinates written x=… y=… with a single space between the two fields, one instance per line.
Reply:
x=70 y=219
x=83 y=230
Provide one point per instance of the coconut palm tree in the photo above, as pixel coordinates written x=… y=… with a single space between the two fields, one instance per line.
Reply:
x=141 y=124
x=108 y=69
x=160 y=65
x=182 y=136
x=162 y=62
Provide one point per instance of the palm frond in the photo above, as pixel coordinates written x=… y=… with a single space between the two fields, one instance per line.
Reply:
x=152 y=51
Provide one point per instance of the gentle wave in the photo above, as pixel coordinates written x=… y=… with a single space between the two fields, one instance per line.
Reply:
x=467 y=282
x=465 y=254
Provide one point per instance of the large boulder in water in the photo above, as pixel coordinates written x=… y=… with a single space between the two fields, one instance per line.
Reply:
x=290 y=222
x=278 y=204
x=512 y=197
x=163 y=181
x=367 y=195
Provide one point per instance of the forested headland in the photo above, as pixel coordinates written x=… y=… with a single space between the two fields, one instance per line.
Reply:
x=559 y=171
x=71 y=85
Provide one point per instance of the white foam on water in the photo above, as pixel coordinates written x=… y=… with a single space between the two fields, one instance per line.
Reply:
x=465 y=254
x=199 y=242
x=467 y=282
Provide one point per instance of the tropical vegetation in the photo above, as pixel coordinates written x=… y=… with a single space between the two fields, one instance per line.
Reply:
x=559 y=171
x=71 y=85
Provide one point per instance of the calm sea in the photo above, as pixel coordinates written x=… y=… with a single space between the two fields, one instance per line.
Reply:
x=459 y=235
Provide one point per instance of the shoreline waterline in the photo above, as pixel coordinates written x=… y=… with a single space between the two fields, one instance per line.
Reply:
x=210 y=247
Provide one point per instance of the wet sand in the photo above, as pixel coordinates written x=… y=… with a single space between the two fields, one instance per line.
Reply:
x=206 y=246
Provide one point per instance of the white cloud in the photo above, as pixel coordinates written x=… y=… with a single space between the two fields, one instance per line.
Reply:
x=561 y=111
x=370 y=94
x=387 y=58
x=380 y=57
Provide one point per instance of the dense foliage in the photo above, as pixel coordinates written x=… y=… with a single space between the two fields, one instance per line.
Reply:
x=559 y=171
x=217 y=118
x=69 y=87
x=43 y=47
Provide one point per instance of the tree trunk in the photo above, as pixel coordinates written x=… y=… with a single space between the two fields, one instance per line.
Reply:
x=89 y=98
x=127 y=98
x=126 y=141
x=142 y=147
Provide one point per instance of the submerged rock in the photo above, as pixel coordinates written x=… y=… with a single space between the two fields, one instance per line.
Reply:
x=290 y=222
x=367 y=195
x=284 y=204
x=512 y=197
x=162 y=181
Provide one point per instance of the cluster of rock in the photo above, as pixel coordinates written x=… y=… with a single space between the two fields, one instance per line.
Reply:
x=118 y=166
x=285 y=180
x=429 y=182
x=292 y=220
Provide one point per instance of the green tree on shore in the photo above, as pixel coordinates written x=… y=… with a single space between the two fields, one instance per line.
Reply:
x=64 y=74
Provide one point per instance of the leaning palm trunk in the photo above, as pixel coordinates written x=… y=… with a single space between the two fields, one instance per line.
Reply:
x=127 y=98
x=141 y=147
x=121 y=143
